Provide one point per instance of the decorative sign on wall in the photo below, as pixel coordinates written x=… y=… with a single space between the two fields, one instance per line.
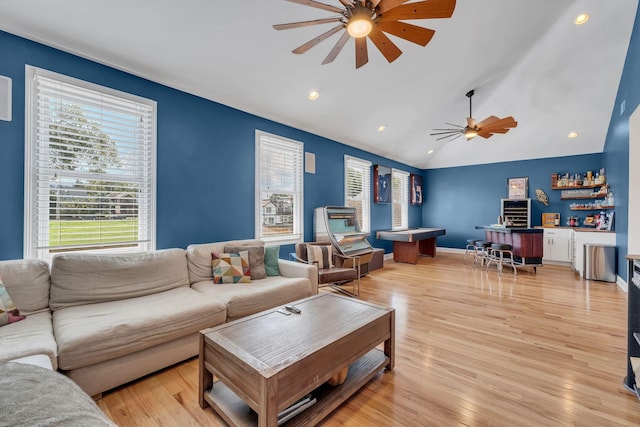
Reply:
x=416 y=189
x=518 y=188
x=381 y=184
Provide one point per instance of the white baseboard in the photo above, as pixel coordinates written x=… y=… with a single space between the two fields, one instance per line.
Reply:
x=450 y=250
x=622 y=284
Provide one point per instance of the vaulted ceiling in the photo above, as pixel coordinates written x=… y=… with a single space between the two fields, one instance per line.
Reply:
x=523 y=58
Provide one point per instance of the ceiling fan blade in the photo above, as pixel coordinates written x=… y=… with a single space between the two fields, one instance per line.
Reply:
x=428 y=9
x=445 y=131
x=485 y=135
x=307 y=23
x=337 y=48
x=386 y=5
x=374 y=3
x=487 y=122
x=311 y=43
x=362 y=57
x=412 y=33
x=454 y=138
x=386 y=46
x=500 y=124
x=453 y=124
x=318 y=5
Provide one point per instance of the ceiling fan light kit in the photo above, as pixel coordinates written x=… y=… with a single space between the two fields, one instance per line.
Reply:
x=360 y=19
x=486 y=128
x=360 y=24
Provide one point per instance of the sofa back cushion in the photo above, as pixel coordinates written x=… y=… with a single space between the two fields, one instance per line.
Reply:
x=199 y=257
x=78 y=279
x=27 y=281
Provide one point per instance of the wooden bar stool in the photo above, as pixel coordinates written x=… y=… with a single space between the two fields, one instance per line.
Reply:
x=501 y=254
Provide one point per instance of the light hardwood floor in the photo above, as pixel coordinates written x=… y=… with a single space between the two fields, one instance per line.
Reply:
x=472 y=348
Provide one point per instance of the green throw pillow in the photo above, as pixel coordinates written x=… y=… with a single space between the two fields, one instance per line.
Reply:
x=271 y=257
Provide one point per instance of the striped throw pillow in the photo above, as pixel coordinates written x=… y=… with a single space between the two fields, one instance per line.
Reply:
x=322 y=254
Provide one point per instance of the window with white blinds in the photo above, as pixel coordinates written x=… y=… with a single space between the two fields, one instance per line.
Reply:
x=279 y=189
x=90 y=168
x=400 y=196
x=357 y=191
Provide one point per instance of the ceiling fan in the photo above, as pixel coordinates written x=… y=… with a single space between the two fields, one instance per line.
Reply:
x=373 y=18
x=485 y=128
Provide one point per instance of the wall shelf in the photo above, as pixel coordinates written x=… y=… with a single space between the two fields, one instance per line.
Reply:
x=593 y=208
x=577 y=187
x=592 y=196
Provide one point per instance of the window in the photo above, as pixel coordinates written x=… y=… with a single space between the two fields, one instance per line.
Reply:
x=279 y=198
x=90 y=168
x=357 y=192
x=400 y=196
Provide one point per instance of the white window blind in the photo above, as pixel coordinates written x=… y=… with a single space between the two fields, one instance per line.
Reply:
x=90 y=169
x=357 y=191
x=279 y=189
x=400 y=196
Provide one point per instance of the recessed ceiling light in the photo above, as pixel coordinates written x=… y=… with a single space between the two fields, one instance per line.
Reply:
x=573 y=135
x=314 y=94
x=381 y=128
x=430 y=152
x=582 y=18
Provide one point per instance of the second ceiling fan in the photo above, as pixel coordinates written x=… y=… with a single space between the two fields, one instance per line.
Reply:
x=373 y=18
x=486 y=128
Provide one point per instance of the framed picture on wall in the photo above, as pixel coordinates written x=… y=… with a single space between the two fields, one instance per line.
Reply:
x=415 y=181
x=381 y=184
x=518 y=188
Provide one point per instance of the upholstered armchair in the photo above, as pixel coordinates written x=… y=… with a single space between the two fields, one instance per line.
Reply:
x=334 y=269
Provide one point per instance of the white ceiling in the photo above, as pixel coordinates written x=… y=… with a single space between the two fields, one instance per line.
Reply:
x=524 y=58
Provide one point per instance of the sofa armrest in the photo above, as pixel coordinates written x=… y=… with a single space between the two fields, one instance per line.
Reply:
x=298 y=269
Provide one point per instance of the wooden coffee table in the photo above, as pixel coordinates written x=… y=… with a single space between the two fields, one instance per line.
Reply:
x=265 y=362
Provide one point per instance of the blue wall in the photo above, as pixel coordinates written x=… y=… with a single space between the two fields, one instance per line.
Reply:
x=460 y=198
x=206 y=158
x=616 y=150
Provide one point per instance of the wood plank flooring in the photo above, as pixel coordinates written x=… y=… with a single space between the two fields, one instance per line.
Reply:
x=472 y=348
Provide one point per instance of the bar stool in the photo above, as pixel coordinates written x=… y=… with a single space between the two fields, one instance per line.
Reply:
x=482 y=249
x=471 y=248
x=501 y=254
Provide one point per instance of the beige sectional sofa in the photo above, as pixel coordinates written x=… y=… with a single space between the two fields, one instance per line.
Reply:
x=105 y=320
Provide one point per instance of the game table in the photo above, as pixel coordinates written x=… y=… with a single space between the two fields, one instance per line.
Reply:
x=411 y=242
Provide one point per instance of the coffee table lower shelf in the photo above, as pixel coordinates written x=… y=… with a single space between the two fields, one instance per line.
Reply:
x=237 y=413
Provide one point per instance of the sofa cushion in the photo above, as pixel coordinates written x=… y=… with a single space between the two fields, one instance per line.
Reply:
x=271 y=257
x=9 y=313
x=256 y=259
x=258 y=295
x=78 y=279
x=93 y=333
x=199 y=257
x=28 y=284
x=33 y=335
x=231 y=268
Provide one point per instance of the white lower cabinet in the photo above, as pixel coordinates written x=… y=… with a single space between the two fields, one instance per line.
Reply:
x=558 y=245
x=591 y=237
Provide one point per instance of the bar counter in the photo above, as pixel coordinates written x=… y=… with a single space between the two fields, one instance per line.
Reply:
x=527 y=243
